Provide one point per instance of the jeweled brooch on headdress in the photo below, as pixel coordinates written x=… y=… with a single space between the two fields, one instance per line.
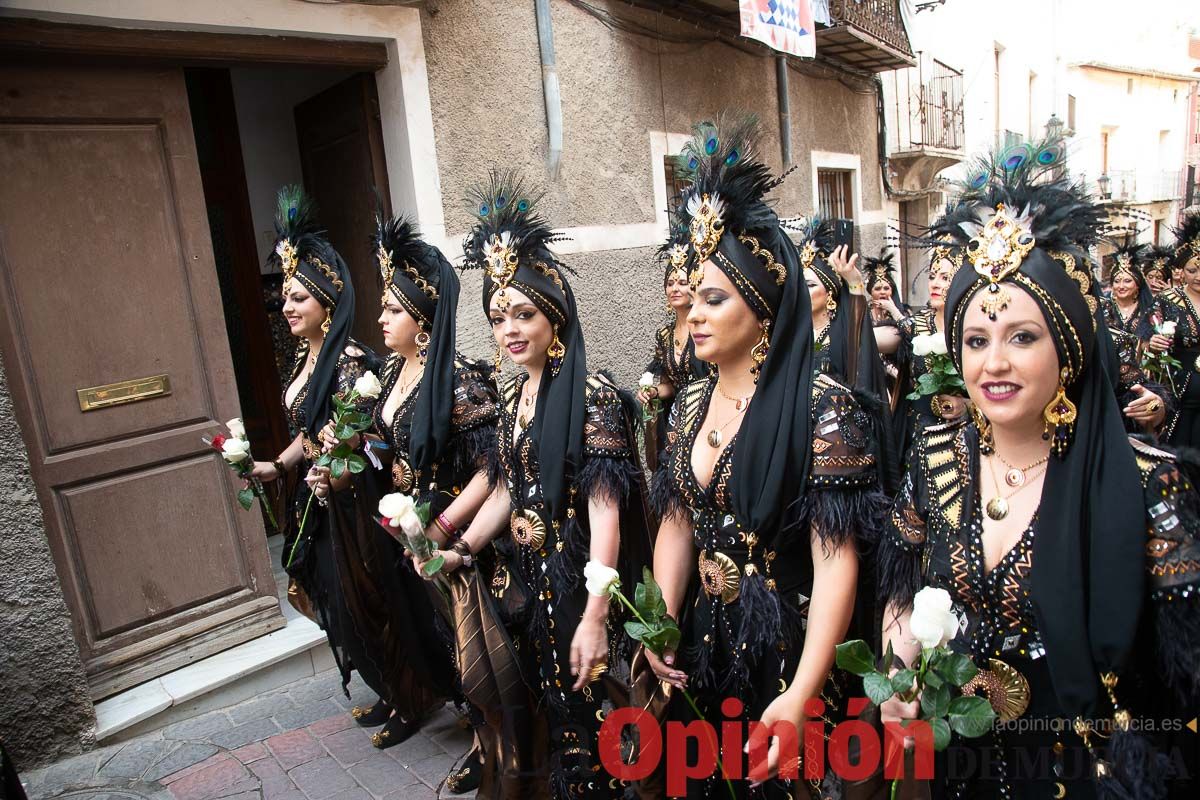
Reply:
x=706 y=226
x=501 y=265
x=996 y=252
x=288 y=259
x=677 y=256
x=948 y=252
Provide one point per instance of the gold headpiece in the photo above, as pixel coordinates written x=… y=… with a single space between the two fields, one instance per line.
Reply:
x=997 y=252
x=677 y=257
x=764 y=255
x=501 y=265
x=1124 y=263
x=706 y=229
x=386 y=270
x=948 y=252
x=289 y=260
x=808 y=254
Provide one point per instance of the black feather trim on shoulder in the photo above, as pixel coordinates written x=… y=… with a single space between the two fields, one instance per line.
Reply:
x=611 y=479
x=665 y=498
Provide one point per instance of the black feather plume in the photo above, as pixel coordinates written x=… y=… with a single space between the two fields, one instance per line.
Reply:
x=1187 y=238
x=504 y=205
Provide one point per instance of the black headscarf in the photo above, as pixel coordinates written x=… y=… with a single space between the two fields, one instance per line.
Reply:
x=733 y=228
x=510 y=241
x=1088 y=584
x=423 y=281
x=303 y=253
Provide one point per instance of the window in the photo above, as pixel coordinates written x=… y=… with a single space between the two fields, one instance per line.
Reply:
x=675 y=185
x=1071 y=113
x=835 y=193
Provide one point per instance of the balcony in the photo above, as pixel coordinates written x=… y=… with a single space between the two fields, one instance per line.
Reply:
x=924 y=118
x=867 y=35
x=863 y=35
x=1137 y=186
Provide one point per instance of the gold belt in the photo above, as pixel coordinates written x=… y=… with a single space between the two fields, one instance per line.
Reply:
x=719 y=575
x=1006 y=689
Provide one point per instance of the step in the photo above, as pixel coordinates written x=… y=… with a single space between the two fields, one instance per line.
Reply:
x=295 y=651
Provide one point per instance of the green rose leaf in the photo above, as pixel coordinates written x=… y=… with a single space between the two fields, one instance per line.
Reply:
x=941 y=733
x=933 y=679
x=433 y=566
x=356 y=464
x=971 y=716
x=935 y=702
x=878 y=687
x=337 y=468
x=956 y=668
x=636 y=630
x=855 y=657
x=423 y=513
x=902 y=681
x=245 y=498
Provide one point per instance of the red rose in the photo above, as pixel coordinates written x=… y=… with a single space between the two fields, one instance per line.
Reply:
x=218 y=441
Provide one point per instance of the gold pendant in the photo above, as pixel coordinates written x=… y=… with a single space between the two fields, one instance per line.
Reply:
x=523 y=421
x=1014 y=477
x=714 y=438
x=402 y=475
x=719 y=575
x=1006 y=689
x=528 y=529
x=997 y=508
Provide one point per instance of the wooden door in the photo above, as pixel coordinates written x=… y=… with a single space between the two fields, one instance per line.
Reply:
x=341 y=153
x=107 y=276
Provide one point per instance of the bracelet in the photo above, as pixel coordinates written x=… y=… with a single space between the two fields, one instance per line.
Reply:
x=464 y=550
x=856 y=288
x=279 y=468
x=444 y=525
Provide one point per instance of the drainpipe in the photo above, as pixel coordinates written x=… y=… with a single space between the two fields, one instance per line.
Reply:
x=785 y=109
x=550 y=91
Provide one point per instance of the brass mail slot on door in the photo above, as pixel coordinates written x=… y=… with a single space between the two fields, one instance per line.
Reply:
x=131 y=391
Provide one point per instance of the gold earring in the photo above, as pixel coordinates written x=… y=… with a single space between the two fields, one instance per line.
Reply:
x=1059 y=416
x=498 y=361
x=831 y=305
x=758 y=353
x=422 y=340
x=986 y=444
x=555 y=353
x=327 y=324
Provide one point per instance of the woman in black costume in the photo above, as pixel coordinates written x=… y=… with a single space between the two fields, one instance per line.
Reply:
x=675 y=363
x=319 y=308
x=1068 y=549
x=1131 y=316
x=1181 y=306
x=568 y=493
x=769 y=482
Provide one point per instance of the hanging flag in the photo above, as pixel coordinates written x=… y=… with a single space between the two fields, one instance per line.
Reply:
x=783 y=25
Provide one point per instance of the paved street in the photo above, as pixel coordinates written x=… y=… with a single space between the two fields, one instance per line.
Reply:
x=298 y=742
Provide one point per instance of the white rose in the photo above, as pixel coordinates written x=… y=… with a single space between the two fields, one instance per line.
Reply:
x=368 y=385
x=1168 y=328
x=400 y=510
x=235 y=450
x=933 y=623
x=929 y=344
x=599 y=578
x=236 y=428
x=647 y=380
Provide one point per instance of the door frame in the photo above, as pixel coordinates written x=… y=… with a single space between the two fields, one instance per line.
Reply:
x=26 y=37
x=32 y=42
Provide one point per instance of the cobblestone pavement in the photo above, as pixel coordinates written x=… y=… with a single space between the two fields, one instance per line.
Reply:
x=297 y=742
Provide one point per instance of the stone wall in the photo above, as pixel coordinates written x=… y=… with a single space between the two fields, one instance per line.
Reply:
x=45 y=710
x=488 y=109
